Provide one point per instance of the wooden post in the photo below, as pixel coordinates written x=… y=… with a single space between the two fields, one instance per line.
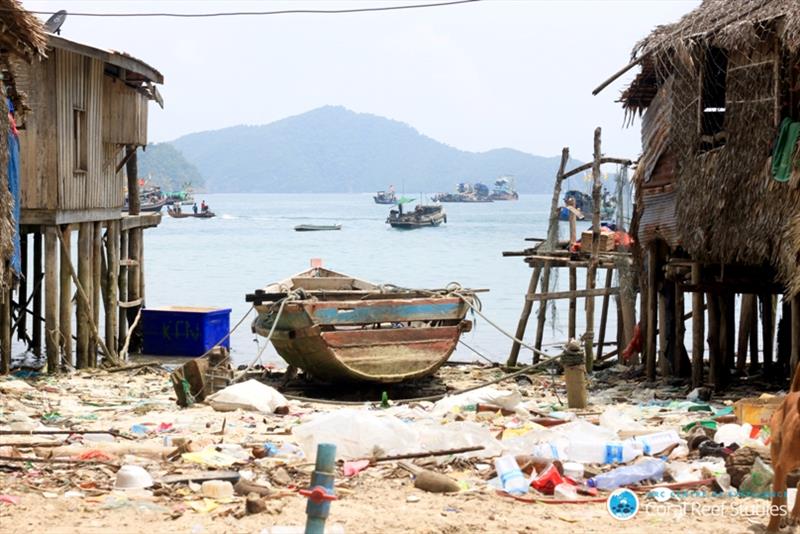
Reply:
x=573 y=286
x=715 y=336
x=51 y=299
x=84 y=313
x=134 y=278
x=123 y=285
x=651 y=314
x=36 y=323
x=604 y=314
x=575 y=381
x=698 y=326
x=754 y=364
x=588 y=338
x=5 y=331
x=745 y=325
x=679 y=348
x=541 y=316
x=22 y=289
x=768 y=329
x=112 y=289
x=729 y=331
x=97 y=250
x=573 y=230
x=132 y=170
x=65 y=298
x=523 y=319
x=552 y=226
x=664 y=324
x=795 y=358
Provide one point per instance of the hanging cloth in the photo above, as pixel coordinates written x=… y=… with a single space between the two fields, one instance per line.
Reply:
x=784 y=149
x=13 y=185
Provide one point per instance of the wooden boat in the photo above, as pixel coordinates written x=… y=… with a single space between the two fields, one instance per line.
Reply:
x=150 y=206
x=385 y=197
x=184 y=214
x=339 y=328
x=317 y=227
x=421 y=217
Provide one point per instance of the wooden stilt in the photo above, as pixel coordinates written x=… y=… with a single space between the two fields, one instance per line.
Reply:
x=754 y=364
x=714 y=356
x=36 y=326
x=729 y=325
x=664 y=324
x=84 y=313
x=768 y=329
x=745 y=324
x=627 y=304
x=51 y=300
x=604 y=315
x=592 y=270
x=680 y=360
x=573 y=286
x=122 y=285
x=523 y=319
x=652 y=314
x=134 y=279
x=541 y=315
x=112 y=289
x=5 y=332
x=22 y=288
x=698 y=327
x=97 y=245
x=795 y=334
x=65 y=298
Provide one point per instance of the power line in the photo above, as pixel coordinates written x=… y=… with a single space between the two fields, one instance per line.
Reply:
x=260 y=13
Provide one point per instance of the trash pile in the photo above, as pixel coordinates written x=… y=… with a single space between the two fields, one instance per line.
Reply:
x=115 y=441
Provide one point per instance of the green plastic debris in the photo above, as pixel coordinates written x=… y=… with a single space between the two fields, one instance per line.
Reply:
x=384 y=400
x=706 y=423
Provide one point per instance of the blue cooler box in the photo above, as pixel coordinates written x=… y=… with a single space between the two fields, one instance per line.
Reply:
x=184 y=330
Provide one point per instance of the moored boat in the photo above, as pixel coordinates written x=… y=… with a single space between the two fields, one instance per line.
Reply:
x=183 y=215
x=339 y=328
x=317 y=227
x=385 y=197
x=422 y=216
x=504 y=189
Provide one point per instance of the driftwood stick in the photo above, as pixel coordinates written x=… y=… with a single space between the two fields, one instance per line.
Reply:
x=133 y=367
x=55 y=461
x=53 y=432
x=123 y=354
x=444 y=452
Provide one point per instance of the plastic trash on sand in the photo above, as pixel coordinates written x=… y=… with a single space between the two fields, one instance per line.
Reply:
x=758 y=482
x=614 y=419
x=210 y=457
x=649 y=469
x=362 y=434
x=250 y=395
x=500 y=398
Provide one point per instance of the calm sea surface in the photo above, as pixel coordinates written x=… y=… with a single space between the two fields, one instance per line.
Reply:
x=252 y=242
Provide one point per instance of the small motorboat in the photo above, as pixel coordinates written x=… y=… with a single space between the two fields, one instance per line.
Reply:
x=422 y=216
x=176 y=214
x=317 y=227
x=338 y=328
x=385 y=197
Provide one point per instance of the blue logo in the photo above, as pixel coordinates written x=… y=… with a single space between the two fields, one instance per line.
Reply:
x=622 y=504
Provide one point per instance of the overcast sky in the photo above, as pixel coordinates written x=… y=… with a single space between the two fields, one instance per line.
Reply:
x=499 y=73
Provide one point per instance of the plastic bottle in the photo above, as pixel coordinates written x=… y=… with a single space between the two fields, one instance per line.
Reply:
x=565 y=491
x=546 y=450
x=650 y=468
x=510 y=475
x=658 y=442
x=599 y=452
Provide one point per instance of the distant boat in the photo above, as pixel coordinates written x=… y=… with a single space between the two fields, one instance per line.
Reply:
x=317 y=227
x=465 y=192
x=504 y=189
x=585 y=204
x=150 y=206
x=183 y=215
x=385 y=197
x=421 y=217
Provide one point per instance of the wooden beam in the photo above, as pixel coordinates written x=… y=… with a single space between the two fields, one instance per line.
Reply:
x=143 y=220
x=578 y=293
x=84 y=279
x=37 y=217
x=22 y=287
x=97 y=250
x=65 y=297
x=524 y=316
x=111 y=285
x=587 y=166
x=51 y=300
x=698 y=327
x=552 y=223
x=36 y=327
x=592 y=270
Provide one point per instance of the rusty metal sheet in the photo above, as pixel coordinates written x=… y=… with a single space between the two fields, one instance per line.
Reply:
x=659 y=220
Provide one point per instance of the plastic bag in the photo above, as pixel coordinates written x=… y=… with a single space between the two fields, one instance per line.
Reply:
x=500 y=398
x=615 y=420
x=251 y=395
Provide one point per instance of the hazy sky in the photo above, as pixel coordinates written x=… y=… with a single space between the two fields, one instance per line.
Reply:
x=499 y=73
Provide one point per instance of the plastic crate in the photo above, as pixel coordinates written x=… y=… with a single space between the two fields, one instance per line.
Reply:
x=184 y=330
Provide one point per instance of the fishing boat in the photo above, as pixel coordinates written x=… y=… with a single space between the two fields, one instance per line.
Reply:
x=317 y=227
x=172 y=212
x=385 y=197
x=585 y=204
x=338 y=328
x=504 y=189
x=422 y=216
x=465 y=193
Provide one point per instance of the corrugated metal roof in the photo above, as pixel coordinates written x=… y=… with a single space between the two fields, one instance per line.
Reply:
x=658 y=218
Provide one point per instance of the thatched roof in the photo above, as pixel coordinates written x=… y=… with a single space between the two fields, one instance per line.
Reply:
x=731 y=24
x=21 y=32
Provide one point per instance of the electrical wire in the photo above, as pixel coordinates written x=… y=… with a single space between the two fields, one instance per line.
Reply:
x=259 y=13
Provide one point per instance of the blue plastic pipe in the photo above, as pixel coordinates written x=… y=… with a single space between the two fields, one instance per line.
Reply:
x=323 y=476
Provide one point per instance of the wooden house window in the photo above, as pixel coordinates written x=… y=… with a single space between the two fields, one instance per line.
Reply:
x=712 y=99
x=80 y=140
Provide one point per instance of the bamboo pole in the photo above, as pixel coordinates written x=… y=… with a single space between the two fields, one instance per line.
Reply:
x=97 y=247
x=36 y=326
x=84 y=312
x=65 y=297
x=698 y=326
x=52 y=332
x=573 y=303
x=112 y=288
x=84 y=299
x=523 y=319
x=590 y=274
x=604 y=314
x=134 y=274
x=541 y=315
x=122 y=285
x=745 y=332
x=22 y=287
x=651 y=314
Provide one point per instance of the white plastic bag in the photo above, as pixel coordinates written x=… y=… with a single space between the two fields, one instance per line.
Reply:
x=501 y=398
x=251 y=395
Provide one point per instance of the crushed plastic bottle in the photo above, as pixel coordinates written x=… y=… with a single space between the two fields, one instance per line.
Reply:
x=547 y=450
x=599 y=452
x=510 y=475
x=650 y=468
x=653 y=444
